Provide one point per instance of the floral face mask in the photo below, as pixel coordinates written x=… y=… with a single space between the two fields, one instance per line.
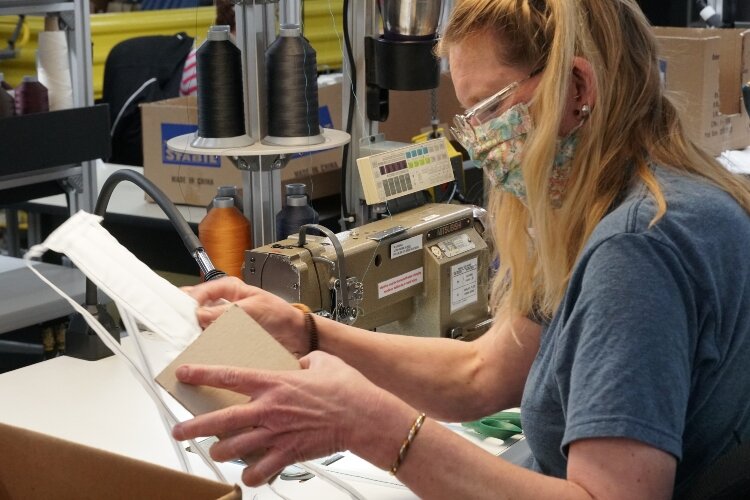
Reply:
x=498 y=147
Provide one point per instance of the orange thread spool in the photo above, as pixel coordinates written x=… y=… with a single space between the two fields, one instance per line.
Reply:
x=225 y=235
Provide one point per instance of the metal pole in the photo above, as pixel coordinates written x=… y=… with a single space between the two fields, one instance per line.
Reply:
x=361 y=21
x=255 y=27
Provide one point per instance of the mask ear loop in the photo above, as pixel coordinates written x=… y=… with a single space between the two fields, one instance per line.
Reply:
x=133 y=330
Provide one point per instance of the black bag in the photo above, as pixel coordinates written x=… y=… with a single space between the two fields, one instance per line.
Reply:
x=138 y=70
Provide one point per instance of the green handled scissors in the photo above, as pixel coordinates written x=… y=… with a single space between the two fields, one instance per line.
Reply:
x=501 y=425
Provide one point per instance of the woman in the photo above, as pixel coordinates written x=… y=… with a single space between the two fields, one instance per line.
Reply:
x=623 y=239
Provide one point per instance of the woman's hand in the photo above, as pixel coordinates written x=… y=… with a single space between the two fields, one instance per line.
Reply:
x=285 y=322
x=294 y=415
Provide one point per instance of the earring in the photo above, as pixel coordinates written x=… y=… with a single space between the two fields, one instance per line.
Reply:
x=585 y=111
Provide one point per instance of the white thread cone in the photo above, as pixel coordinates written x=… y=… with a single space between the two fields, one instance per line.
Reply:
x=53 y=69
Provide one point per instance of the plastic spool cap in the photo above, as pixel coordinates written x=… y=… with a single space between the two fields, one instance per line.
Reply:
x=218 y=32
x=296 y=200
x=223 y=202
x=290 y=30
x=296 y=194
x=227 y=191
x=296 y=188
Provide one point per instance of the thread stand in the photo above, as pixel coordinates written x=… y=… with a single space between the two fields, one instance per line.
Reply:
x=332 y=138
x=261 y=178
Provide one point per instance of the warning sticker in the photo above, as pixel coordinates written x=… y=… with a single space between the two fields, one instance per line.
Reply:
x=406 y=246
x=464 y=284
x=401 y=282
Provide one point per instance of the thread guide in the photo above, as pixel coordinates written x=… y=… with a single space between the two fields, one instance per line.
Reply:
x=332 y=138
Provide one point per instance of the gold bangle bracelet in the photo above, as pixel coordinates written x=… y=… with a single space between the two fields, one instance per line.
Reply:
x=407 y=443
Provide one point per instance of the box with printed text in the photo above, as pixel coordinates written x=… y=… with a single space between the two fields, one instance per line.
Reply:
x=703 y=70
x=193 y=179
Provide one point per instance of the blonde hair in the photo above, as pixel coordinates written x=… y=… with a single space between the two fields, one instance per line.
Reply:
x=632 y=124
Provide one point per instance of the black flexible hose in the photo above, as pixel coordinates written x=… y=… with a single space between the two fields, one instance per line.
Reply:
x=189 y=239
x=345 y=214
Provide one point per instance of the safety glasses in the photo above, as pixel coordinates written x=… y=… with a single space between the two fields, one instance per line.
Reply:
x=465 y=125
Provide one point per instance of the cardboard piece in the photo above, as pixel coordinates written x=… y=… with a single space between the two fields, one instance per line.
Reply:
x=190 y=179
x=34 y=465
x=234 y=339
x=703 y=71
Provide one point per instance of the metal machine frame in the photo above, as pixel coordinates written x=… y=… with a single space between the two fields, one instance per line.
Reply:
x=261 y=179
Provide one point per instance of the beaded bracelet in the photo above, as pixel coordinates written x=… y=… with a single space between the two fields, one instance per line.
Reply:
x=312 y=330
x=310 y=327
x=407 y=443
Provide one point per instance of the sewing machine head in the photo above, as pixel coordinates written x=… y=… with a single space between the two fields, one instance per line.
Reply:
x=423 y=272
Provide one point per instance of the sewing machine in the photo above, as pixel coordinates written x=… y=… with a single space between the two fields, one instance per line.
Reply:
x=422 y=272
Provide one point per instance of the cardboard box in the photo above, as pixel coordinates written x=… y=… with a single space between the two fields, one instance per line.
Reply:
x=38 y=466
x=189 y=179
x=703 y=71
x=409 y=113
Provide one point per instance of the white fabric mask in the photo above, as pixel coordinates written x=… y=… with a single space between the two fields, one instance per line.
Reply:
x=140 y=295
x=150 y=299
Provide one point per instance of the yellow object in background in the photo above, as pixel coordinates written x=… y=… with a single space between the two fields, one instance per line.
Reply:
x=426 y=136
x=23 y=220
x=322 y=27
x=455 y=156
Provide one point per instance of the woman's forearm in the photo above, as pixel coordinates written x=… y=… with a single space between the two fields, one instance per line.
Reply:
x=430 y=469
x=446 y=378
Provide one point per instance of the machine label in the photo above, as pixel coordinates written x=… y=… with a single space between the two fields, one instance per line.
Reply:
x=450 y=228
x=456 y=245
x=406 y=246
x=464 y=284
x=402 y=282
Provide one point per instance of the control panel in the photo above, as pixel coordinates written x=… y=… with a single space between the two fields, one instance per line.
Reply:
x=405 y=170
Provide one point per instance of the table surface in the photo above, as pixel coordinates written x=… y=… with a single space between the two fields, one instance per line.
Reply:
x=127 y=198
x=101 y=404
x=26 y=300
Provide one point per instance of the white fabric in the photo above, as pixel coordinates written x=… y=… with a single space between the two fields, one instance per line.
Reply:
x=150 y=299
x=129 y=283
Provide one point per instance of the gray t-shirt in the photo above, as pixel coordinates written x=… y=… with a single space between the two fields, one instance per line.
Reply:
x=652 y=339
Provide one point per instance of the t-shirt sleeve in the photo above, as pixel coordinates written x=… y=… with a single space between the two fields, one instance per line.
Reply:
x=624 y=361
x=189 y=80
